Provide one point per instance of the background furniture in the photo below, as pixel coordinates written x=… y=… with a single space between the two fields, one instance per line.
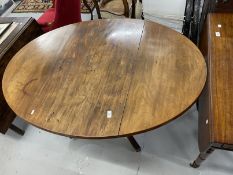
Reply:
x=209 y=6
x=103 y=79
x=26 y=30
x=193 y=21
x=64 y=13
x=124 y=8
x=216 y=102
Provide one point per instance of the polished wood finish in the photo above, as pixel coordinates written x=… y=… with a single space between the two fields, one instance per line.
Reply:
x=26 y=30
x=67 y=80
x=216 y=101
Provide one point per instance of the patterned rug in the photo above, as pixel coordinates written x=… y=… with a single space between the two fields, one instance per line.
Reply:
x=37 y=6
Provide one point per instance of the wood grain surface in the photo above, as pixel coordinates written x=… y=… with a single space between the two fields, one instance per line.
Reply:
x=215 y=122
x=66 y=80
x=221 y=77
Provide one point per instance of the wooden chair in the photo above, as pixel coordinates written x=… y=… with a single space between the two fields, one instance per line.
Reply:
x=121 y=8
x=65 y=12
x=191 y=19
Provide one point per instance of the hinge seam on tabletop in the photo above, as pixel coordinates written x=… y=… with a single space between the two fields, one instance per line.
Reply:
x=131 y=79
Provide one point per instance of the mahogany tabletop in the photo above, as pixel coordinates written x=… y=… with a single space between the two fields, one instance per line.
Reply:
x=104 y=78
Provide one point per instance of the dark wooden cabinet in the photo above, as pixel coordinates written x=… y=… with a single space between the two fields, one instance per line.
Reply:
x=210 y=6
x=216 y=101
x=194 y=21
x=26 y=30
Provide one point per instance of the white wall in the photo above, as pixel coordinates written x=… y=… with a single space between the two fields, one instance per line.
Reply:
x=167 y=12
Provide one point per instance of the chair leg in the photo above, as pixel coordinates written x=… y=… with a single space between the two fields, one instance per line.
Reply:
x=142 y=16
x=188 y=17
x=89 y=8
x=97 y=8
x=17 y=130
x=202 y=156
x=133 y=14
x=197 y=105
x=134 y=143
x=195 y=22
x=126 y=8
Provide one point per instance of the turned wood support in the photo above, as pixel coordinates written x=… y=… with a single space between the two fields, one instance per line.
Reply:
x=89 y=8
x=97 y=9
x=134 y=143
x=17 y=129
x=133 y=13
x=202 y=156
x=188 y=17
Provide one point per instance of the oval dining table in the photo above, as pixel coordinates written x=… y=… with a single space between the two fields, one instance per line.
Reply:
x=105 y=79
